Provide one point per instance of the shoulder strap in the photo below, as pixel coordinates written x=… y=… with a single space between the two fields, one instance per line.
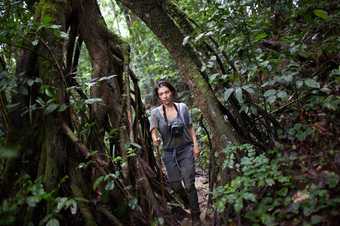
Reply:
x=164 y=113
x=180 y=115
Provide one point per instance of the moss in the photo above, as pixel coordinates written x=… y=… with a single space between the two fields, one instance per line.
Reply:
x=49 y=8
x=48 y=149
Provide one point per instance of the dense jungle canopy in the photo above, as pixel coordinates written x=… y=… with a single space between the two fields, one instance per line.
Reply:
x=261 y=79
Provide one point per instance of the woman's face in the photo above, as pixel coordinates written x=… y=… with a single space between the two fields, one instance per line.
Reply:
x=165 y=95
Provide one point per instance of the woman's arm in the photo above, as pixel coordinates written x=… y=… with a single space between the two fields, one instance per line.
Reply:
x=154 y=128
x=155 y=138
x=196 y=149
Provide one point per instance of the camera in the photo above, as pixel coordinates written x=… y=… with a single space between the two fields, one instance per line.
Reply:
x=177 y=129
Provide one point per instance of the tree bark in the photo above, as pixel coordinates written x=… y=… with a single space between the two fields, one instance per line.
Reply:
x=48 y=142
x=105 y=50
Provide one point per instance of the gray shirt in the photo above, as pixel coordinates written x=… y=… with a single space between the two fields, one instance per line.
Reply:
x=158 y=122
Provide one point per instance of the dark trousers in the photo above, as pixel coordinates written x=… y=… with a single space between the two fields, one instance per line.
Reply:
x=179 y=164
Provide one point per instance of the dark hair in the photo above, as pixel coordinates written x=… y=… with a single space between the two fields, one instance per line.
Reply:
x=163 y=83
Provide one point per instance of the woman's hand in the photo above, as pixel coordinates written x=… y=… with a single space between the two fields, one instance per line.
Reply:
x=196 y=151
x=156 y=141
x=155 y=138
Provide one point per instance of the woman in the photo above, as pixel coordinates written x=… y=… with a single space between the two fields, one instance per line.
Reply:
x=172 y=120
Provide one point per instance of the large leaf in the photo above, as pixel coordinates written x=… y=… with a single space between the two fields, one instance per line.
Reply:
x=321 y=13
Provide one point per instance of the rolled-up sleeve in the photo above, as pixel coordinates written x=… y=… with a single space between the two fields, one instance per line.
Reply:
x=153 y=119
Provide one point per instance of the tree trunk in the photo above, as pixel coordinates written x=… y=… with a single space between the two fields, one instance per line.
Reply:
x=48 y=141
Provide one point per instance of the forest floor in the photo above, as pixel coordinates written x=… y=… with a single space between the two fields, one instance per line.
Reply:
x=202 y=186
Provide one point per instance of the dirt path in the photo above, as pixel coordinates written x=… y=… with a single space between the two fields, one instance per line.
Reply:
x=202 y=186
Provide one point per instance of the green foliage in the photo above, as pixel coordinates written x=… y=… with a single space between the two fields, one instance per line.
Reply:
x=285 y=59
x=265 y=196
x=300 y=132
x=133 y=203
x=149 y=59
x=254 y=172
x=282 y=57
x=84 y=72
x=33 y=194
x=108 y=180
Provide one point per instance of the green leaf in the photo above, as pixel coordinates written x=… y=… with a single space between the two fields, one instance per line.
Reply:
x=82 y=165
x=269 y=93
x=161 y=220
x=98 y=181
x=63 y=35
x=249 y=196
x=54 y=26
x=204 y=67
x=136 y=145
x=227 y=93
x=51 y=108
x=299 y=84
x=249 y=89
x=61 y=203
x=199 y=37
x=283 y=191
x=238 y=94
x=312 y=83
x=35 y=42
x=110 y=185
x=316 y=219
x=38 y=189
x=270 y=182
x=53 y=222
x=30 y=82
x=46 y=20
x=260 y=36
x=49 y=91
x=321 y=13
x=7 y=152
x=282 y=94
x=32 y=201
x=62 y=107
x=73 y=206
x=238 y=205
x=332 y=179
x=133 y=203
x=308 y=210
x=185 y=40
x=267 y=219
x=271 y=99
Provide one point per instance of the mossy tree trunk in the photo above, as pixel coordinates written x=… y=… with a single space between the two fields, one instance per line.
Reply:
x=46 y=139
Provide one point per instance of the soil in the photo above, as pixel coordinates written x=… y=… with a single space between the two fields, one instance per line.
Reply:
x=202 y=186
